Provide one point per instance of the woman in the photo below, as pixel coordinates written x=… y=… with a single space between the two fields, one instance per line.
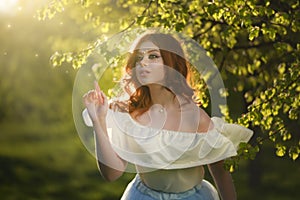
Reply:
x=163 y=132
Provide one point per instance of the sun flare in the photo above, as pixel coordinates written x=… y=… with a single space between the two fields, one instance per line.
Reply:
x=7 y=5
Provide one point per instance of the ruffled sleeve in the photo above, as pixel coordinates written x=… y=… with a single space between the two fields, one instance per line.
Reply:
x=164 y=149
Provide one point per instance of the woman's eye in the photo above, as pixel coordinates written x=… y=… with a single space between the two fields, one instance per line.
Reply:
x=139 y=58
x=153 y=56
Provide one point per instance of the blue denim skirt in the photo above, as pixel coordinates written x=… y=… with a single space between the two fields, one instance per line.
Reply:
x=137 y=190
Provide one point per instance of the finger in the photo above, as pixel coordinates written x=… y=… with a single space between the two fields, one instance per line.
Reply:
x=97 y=88
x=86 y=100
x=91 y=94
x=87 y=95
x=103 y=97
x=98 y=92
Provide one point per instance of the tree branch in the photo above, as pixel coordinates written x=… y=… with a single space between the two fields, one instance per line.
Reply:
x=134 y=20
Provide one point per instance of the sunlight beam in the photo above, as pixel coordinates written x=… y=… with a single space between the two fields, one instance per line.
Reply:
x=6 y=6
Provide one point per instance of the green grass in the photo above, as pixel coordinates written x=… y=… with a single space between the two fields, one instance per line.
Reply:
x=48 y=161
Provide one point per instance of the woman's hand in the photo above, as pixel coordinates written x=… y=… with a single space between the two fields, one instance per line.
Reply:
x=96 y=103
x=110 y=164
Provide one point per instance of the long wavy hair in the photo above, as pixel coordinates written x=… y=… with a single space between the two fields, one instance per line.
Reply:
x=176 y=80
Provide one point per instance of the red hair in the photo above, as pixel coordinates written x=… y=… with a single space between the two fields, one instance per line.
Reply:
x=175 y=79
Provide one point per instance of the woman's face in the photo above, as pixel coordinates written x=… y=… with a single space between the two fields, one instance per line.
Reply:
x=149 y=64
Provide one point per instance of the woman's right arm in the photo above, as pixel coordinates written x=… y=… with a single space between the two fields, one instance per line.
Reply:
x=111 y=166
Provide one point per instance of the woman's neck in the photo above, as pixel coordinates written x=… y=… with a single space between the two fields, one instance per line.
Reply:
x=160 y=95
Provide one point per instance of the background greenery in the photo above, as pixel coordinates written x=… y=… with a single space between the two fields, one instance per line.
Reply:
x=41 y=155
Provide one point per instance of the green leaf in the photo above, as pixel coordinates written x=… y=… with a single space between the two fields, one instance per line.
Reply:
x=293 y=114
x=56 y=59
x=254 y=32
x=294 y=152
x=281 y=150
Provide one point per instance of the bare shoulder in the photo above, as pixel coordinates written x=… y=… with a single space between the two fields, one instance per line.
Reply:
x=197 y=117
x=140 y=118
x=205 y=122
x=134 y=114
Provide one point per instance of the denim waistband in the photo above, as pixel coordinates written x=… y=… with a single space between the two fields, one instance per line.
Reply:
x=139 y=185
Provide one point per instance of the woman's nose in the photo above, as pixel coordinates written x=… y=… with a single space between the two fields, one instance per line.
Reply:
x=144 y=61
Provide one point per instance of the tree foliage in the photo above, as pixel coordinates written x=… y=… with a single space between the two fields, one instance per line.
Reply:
x=255 y=44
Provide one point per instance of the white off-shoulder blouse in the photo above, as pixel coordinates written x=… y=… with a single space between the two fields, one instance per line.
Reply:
x=165 y=149
x=171 y=161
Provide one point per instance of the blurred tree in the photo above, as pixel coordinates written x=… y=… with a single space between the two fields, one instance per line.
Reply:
x=255 y=44
x=26 y=77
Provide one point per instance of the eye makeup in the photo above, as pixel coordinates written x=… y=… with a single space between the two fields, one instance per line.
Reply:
x=152 y=55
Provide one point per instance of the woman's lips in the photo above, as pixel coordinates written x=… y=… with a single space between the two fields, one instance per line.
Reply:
x=144 y=73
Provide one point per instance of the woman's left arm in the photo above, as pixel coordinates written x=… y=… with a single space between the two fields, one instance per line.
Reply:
x=223 y=181
x=221 y=177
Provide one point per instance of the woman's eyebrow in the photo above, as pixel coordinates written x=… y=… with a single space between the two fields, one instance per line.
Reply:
x=148 y=51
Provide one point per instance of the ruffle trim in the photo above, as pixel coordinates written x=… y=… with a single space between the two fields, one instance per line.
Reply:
x=164 y=149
